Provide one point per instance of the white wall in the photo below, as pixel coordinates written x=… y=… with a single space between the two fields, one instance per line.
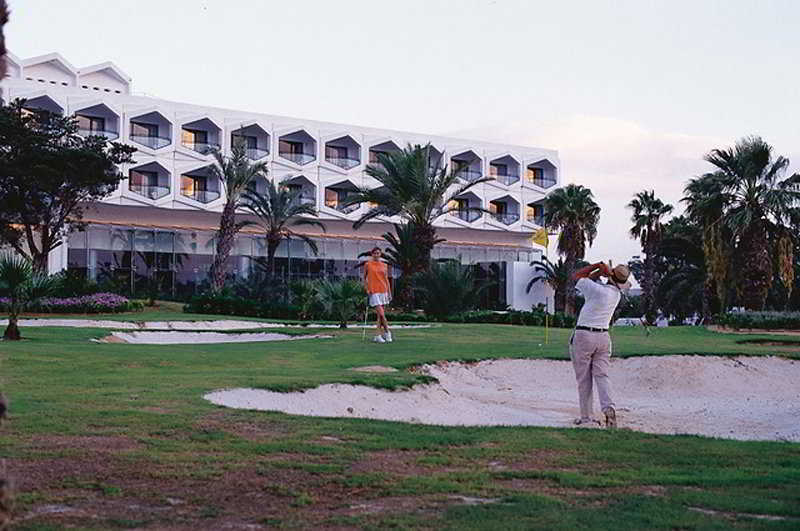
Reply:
x=518 y=274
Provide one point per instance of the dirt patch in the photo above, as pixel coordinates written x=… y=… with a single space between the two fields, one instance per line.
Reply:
x=111 y=338
x=95 y=443
x=786 y=345
x=397 y=463
x=374 y=368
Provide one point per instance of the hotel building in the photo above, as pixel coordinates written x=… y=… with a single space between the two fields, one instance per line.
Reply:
x=162 y=217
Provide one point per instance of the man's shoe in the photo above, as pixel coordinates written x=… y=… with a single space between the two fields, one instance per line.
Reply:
x=586 y=422
x=387 y=337
x=379 y=339
x=611 y=417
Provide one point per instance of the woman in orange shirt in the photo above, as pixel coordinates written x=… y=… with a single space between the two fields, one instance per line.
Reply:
x=376 y=282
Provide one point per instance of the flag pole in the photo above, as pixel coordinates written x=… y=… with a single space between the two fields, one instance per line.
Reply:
x=546 y=302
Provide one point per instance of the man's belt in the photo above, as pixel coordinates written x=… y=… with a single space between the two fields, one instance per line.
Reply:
x=591 y=329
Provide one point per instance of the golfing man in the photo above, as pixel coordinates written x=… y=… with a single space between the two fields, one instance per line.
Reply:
x=376 y=282
x=590 y=344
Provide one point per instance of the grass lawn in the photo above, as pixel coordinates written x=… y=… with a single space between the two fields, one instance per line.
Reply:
x=107 y=436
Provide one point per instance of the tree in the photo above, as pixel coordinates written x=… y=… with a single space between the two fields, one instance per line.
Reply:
x=554 y=274
x=236 y=173
x=572 y=211
x=448 y=288
x=23 y=285
x=648 y=211
x=47 y=174
x=760 y=203
x=341 y=298
x=277 y=211
x=416 y=187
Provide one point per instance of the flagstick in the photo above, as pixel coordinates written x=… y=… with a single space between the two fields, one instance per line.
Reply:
x=546 y=304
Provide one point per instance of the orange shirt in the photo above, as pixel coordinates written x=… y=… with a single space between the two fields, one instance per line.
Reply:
x=377 y=275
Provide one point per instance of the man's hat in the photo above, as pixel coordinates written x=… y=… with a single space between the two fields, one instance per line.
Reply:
x=619 y=276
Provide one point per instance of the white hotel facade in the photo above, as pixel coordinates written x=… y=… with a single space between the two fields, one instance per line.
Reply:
x=162 y=217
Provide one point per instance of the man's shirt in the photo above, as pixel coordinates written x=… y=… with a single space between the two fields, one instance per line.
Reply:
x=601 y=301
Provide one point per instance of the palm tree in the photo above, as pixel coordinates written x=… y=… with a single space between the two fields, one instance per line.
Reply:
x=236 y=173
x=448 y=288
x=341 y=299
x=706 y=203
x=648 y=211
x=277 y=210
x=761 y=202
x=572 y=211
x=681 y=291
x=23 y=285
x=554 y=274
x=417 y=188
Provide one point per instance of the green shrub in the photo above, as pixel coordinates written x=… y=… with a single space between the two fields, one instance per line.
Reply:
x=448 y=288
x=761 y=320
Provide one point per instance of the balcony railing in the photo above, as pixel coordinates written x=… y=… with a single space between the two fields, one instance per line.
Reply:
x=298 y=158
x=256 y=153
x=343 y=162
x=201 y=196
x=507 y=180
x=151 y=141
x=467 y=215
x=468 y=174
x=535 y=219
x=305 y=199
x=111 y=135
x=507 y=218
x=343 y=208
x=201 y=147
x=542 y=183
x=149 y=191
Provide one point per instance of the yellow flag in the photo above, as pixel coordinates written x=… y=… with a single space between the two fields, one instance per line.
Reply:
x=540 y=237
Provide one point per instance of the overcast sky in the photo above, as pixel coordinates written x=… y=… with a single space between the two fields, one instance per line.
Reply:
x=631 y=93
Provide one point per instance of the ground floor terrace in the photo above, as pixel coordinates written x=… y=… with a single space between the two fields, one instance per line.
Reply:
x=137 y=250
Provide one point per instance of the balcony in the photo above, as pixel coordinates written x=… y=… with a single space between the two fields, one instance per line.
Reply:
x=468 y=174
x=298 y=158
x=542 y=174
x=151 y=141
x=304 y=199
x=201 y=196
x=343 y=162
x=537 y=219
x=204 y=148
x=345 y=209
x=507 y=218
x=149 y=191
x=467 y=215
x=254 y=153
x=110 y=135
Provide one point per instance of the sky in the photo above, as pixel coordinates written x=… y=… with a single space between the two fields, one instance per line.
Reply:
x=632 y=93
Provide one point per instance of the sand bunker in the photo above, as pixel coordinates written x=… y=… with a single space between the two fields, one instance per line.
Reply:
x=224 y=324
x=739 y=398
x=179 y=338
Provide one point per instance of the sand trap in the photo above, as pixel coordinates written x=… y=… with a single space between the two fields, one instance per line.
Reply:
x=224 y=324
x=179 y=338
x=737 y=398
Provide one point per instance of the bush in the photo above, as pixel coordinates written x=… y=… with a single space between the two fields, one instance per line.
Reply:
x=97 y=303
x=447 y=289
x=535 y=317
x=226 y=303
x=761 y=320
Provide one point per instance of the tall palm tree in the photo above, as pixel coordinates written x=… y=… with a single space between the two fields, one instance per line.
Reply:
x=554 y=274
x=572 y=211
x=706 y=202
x=762 y=202
x=417 y=188
x=277 y=210
x=23 y=285
x=648 y=211
x=236 y=173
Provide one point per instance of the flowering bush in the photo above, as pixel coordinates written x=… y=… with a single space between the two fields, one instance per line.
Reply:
x=96 y=303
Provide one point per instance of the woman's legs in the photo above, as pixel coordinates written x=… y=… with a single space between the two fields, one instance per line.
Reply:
x=382 y=322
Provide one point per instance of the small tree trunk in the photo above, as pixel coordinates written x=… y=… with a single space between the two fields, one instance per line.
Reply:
x=39 y=261
x=12 y=330
x=569 y=296
x=755 y=269
x=647 y=284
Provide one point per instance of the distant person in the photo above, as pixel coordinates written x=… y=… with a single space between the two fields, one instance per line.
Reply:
x=590 y=344
x=376 y=282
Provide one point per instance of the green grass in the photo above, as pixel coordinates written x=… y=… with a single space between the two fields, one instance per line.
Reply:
x=121 y=432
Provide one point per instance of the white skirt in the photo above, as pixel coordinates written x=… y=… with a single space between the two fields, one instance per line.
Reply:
x=379 y=299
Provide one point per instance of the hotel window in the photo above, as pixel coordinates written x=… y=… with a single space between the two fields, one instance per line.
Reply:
x=335 y=152
x=331 y=198
x=287 y=146
x=498 y=208
x=140 y=179
x=535 y=175
x=498 y=169
x=140 y=129
x=373 y=156
x=90 y=123
x=191 y=185
x=460 y=165
x=194 y=136
x=250 y=142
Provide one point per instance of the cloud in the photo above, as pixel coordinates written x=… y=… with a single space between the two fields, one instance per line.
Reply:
x=615 y=159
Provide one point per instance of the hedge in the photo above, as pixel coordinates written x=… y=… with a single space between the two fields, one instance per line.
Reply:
x=96 y=303
x=761 y=320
